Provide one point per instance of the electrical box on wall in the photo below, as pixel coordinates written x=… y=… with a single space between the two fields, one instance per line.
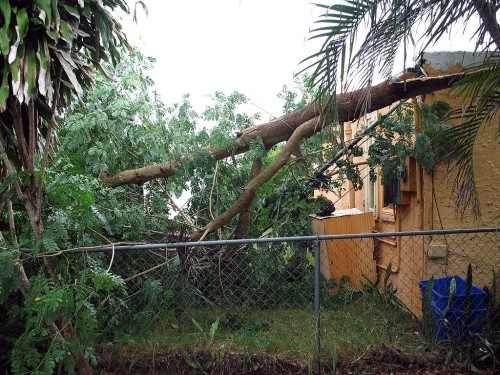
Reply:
x=400 y=191
x=394 y=195
x=437 y=250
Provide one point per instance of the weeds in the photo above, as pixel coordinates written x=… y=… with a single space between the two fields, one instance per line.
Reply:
x=348 y=331
x=489 y=341
x=428 y=334
x=337 y=293
x=208 y=339
x=208 y=336
x=334 y=359
x=470 y=334
x=386 y=295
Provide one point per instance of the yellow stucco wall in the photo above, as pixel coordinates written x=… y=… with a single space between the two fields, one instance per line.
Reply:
x=481 y=250
x=409 y=256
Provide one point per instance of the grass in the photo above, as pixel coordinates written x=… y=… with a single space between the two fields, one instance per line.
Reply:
x=347 y=330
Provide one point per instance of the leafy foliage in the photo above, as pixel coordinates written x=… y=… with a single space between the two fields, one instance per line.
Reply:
x=298 y=96
x=392 y=25
x=337 y=26
x=95 y=140
x=389 y=24
x=9 y=280
x=386 y=295
x=39 y=38
x=48 y=303
x=428 y=333
x=48 y=49
x=396 y=140
x=393 y=141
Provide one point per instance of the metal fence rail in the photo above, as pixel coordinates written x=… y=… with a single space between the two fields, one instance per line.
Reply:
x=268 y=294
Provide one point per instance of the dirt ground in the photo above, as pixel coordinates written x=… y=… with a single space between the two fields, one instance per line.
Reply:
x=384 y=360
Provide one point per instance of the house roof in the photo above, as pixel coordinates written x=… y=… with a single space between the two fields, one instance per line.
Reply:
x=444 y=60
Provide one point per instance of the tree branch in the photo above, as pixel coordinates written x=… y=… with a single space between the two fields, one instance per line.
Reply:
x=17 y=122
x=281 y=130
x=176 y=206
x=10 y=169
x=303 y=131
x=356 y=140
x=50 y=127
x=244 y=218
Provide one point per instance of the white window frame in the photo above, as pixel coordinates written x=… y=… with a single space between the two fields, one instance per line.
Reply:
x=369 y=205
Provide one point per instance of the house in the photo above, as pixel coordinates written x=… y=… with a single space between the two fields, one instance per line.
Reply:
x=423 y=201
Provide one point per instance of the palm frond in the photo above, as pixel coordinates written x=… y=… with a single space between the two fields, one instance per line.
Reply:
x=391 y=24
x=480 y=92
x=378 y=52
x=440 y=17
x=337 y=26
x=480 y=87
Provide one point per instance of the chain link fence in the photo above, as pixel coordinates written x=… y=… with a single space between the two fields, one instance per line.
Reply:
x=315 y=298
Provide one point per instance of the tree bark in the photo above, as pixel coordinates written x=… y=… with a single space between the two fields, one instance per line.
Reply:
x=280 y=130
x=303 y=131
x=31 y=198
x=245 y=216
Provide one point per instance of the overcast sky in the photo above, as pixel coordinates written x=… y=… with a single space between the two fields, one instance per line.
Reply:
x=251 y=46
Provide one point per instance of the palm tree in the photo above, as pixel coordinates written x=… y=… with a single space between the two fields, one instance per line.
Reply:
x=48 y=49
x=392 y=25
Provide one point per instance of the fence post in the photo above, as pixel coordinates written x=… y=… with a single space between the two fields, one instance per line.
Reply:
x=317 y=296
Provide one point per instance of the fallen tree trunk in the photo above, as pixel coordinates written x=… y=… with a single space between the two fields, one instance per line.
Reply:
x=349 y=108
x=303 y=131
